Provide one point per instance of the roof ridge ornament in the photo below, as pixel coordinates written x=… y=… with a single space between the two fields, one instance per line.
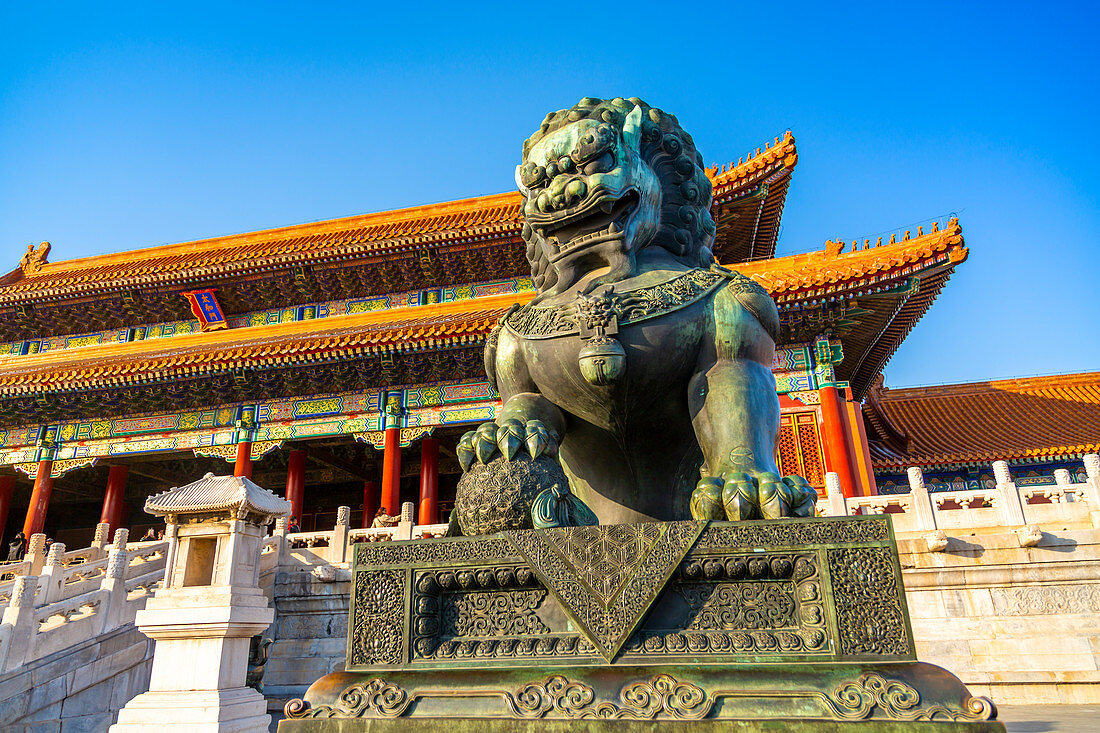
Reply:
x=33 y=259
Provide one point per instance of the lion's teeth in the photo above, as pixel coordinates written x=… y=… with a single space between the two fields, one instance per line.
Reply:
x=607 y=206
x=614 y=228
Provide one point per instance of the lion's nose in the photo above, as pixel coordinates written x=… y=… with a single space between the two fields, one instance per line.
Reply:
x=566 y=192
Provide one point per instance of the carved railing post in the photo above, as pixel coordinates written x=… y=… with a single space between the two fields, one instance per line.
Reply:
x=171 y=535
x=101 y=539
x=404 y=529
x=53 y=574
x=920 y=501
x=19 y=615
x=114 y=588
x=1057 y=494
x=282 y=524
x=834 y=495
x=36 y=554
x=338 y=548
x=1012 y=508
x=122 y=536
x=1092 y=471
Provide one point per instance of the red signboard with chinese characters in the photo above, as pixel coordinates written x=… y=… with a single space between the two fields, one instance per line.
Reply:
x=205 y=307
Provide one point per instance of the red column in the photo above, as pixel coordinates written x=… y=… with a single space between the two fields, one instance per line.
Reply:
x=113 y=496
x=371 y=497
x=40 y=500
x=429 y=481
x=861 y=452
x=7 y=486
x=391 y=471
x=242 y=466
x=296 y=482
x=837 y=455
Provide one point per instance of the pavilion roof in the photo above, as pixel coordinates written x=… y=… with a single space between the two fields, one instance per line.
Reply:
x=1033 y=418
x=749 y=199
x=218 y=493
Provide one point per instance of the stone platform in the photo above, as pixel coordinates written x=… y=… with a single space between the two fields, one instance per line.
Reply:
x=786 y=625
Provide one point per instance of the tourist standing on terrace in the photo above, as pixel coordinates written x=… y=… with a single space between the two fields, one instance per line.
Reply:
x=17 y=547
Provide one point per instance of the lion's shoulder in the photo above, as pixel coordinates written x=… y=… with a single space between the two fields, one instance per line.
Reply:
x=752 y=296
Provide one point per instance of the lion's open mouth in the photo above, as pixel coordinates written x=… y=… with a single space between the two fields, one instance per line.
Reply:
x=600 y=221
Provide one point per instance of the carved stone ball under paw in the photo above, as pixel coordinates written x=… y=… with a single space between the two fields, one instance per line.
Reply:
x=495 y=496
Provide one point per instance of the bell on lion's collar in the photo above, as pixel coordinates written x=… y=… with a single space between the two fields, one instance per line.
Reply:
x=602 y=361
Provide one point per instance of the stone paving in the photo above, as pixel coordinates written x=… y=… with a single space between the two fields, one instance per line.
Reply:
x=1050 y=718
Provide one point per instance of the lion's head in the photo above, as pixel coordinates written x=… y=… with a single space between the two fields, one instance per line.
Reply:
x=602 y=181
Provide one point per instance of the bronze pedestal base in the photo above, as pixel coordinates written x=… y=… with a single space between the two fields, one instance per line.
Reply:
x=796 y=625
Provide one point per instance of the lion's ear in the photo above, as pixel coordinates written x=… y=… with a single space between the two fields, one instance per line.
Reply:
x=519 y=180
x=632 y=130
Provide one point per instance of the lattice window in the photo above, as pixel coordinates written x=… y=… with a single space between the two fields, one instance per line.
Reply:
x=798 y=449
x=787 y=448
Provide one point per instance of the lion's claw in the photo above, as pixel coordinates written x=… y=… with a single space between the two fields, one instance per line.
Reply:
x=803 y=499
x=738 y=495
x=706 y=501
x=510 y=437
x=465 y=451
x=538 y=439
x=490 y=440
x=485 y=443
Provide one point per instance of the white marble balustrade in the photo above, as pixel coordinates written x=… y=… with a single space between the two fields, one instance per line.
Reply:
x=1005 y=505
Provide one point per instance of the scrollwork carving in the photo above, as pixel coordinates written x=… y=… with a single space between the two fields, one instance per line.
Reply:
x=440 y=551
x=662 y=696
x=899 y=701
x=721 y=536
x=375 y=696
x=742 y=604
x=492 y=614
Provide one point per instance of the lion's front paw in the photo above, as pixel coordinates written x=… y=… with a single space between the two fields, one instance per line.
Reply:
x=506 y=439
x=741 y=495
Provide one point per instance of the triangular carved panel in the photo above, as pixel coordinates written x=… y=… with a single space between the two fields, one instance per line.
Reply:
x=607 y=577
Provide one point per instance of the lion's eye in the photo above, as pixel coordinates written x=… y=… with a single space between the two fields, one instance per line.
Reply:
x=601 y=164
x=594 y=144
x=532 y=176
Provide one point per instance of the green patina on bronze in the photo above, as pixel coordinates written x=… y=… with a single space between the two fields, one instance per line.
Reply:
x=800 y=619
x=639 y=377
x=640 y=366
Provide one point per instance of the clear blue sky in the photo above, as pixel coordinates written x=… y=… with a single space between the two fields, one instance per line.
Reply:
x=164 y=123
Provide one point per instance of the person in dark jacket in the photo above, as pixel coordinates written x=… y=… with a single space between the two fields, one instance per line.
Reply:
x=17 y=548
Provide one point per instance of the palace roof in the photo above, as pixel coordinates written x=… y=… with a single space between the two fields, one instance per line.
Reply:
x=281 y=346
x=471 y=240
x=870 y=297
x=1033 y=418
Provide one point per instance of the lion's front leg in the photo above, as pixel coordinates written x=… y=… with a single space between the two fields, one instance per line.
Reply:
x=736 y=424
x=735 y=414
x=511 y=477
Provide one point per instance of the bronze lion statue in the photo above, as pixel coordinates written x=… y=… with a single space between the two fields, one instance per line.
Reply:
x=637 y=383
